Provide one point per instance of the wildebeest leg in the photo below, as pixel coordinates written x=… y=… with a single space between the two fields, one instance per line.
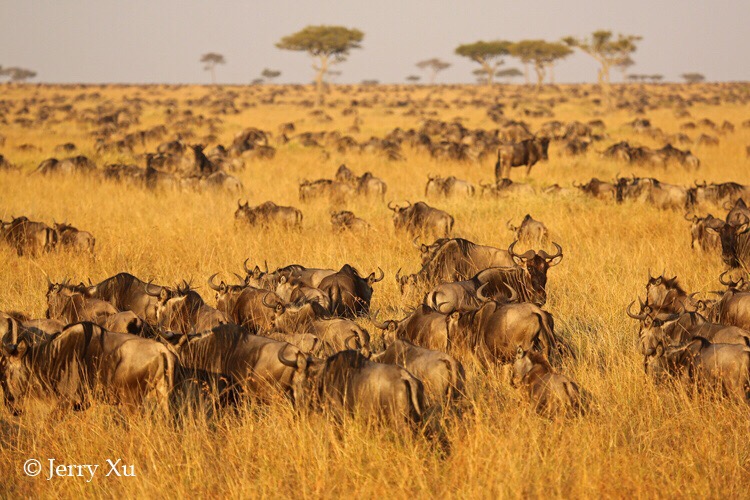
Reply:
x=528 y=170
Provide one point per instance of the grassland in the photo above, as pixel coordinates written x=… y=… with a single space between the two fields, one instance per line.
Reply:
x=641 y=440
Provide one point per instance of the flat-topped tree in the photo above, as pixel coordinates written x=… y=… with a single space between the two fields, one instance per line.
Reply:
x=211 y=60
x=541 y=54
x=434 y=66
x=487 y=54
x=327 y=44
x=16 y=74
x=509 y=73
x=693 y=77
x=270 y=74
x=413 y=78
x=607 y=50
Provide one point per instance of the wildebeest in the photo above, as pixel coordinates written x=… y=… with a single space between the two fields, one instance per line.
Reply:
x=550 y=393
x=525 y=153
x=73 y=307
x=649 y=190
x=308 y=276
x=346 y=221
x=334 y=191
x=424 y=327
x=700 y=237
x=442 y=375
x=531 y=232
x=27 y=236
x=366 y=184
x=75 y=239
x=724 y=365
x=348 y=383
x=494 y=331
x=506 y=187
x=420 y=218
x=598 y=189
x=183 y=310
x=267 y=214
x=349 y=293
x=239 y=363
x=86 y=359
x=719 y=194
x=495 y=283
x=244 y=305
x=294 y=291
x=448 y=186
x=734 y=235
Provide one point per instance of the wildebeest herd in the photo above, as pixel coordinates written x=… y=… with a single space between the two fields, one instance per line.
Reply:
x=314 y=337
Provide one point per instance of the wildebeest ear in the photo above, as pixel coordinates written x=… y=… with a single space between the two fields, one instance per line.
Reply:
x=392 y=326
x=282 y=280
x=455 y=315
x=555 y=261
x=164 y=294
x=279 y=308
x=743 y=228
x=519 y=352
x=256 y=272
x=301 y=362
x=659 y=350
x=22 y=347
x=647 y=321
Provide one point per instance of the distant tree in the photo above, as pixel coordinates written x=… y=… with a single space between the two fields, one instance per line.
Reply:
x=413 y=78
x=434 y=66
x=634 y=77
x=487 y=54
x=328 y=44
x=257 y=81
x=270 y=74
x=607 y=50
x=624 y=65
x=16 y=74
x=656 y=78
x=541 y=54
x=693 y=77
x=211 y=60
x=370 y=82
x=509 y=73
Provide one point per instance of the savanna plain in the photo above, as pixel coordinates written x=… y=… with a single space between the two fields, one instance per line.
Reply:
x=639 y=438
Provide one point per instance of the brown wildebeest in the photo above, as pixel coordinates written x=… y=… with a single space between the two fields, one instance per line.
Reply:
x=531 y=232
x=550 y=394
x=86 y=359
x=27 y=236
x=448 y=186
x=442 y=375
x=244 y=305
x=73 y=307
x=349 y=294
x=267 y=214
x=347 y=221
x=75 y=239
x=293 y=291
x=724 y=365
x=525 y=153
x=348 y=383
x=366 y=184
x=462 y=296
x=700 y=237
x=334 y=191
x=495 y=330
x=598 y=189
x=184 y=311
x=238 y=363
x=420 y=218
x=424 y=327
x=506 y=187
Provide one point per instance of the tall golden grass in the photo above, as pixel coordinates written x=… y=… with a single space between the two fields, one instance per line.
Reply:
x=641 y=440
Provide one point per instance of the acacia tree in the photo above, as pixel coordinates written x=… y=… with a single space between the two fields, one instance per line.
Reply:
x=328 y=44
x=693 y=77
x=487 y=54
x=433 y=65
x=270 y=74
x=624 y=65
x=509 y=73
x=413 y=78
x=16 y=74
x=211 y=60
x=541 y=54
x=607 y=50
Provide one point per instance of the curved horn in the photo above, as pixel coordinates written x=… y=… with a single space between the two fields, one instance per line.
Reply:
x=390 y=207
x=414 y=242
x=382 y=275
x=379 y=325
x=244 y=265
x=241 y=278
x=348 y=343
x=513 y=293
x=408 y=204
x=509 y=225
x=729 y=283
x=546 y=256
x=480 y=295
x=213 y=285
x=639 y=317
x=577 y=185
x=272 y=306
x=690 y=219
x=510 y=249
x=283 y=360
x=398 y=275
x=150 y=292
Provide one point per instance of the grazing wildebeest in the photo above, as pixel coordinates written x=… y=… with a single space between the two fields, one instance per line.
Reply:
x=244 y=305
x=27 y=236
x=420 y=218
x=531 y=232
x=347 y=221
x=367 y=184
x=525 y=153
x=293 y=291
x=348 y=383
x=448 y=186
x=334 y=191
x=599 y=189
x=650 y=190
x=268 y=213
x=86 y=359
x=442 y=375
x=494 y=331
x=349 y=293
x=183 y=310
x=239 y=363
x=550 y=394
x=720 y=365
x=424 y=327
x=75 y=239
x=506 y=187
x=308 y=276
x=700 y=237
x=719 y=194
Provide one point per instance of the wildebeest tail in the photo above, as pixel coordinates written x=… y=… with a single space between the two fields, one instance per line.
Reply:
x=547 y=334
x=456 y=374
x=415 y=395
x=135 y=326
x=335 y=299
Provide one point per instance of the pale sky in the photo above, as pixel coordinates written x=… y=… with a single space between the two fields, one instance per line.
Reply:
x=161 y=41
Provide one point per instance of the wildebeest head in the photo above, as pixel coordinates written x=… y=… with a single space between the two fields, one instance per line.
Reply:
x=536 y=264
x=398 y=210
x=544 y=143
x=728 y=234
x=257 y=278
x=407 y=282
x=526 y=360
x=671 y=360
x=14 y=372
x=665 y=294
x=650 y=332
